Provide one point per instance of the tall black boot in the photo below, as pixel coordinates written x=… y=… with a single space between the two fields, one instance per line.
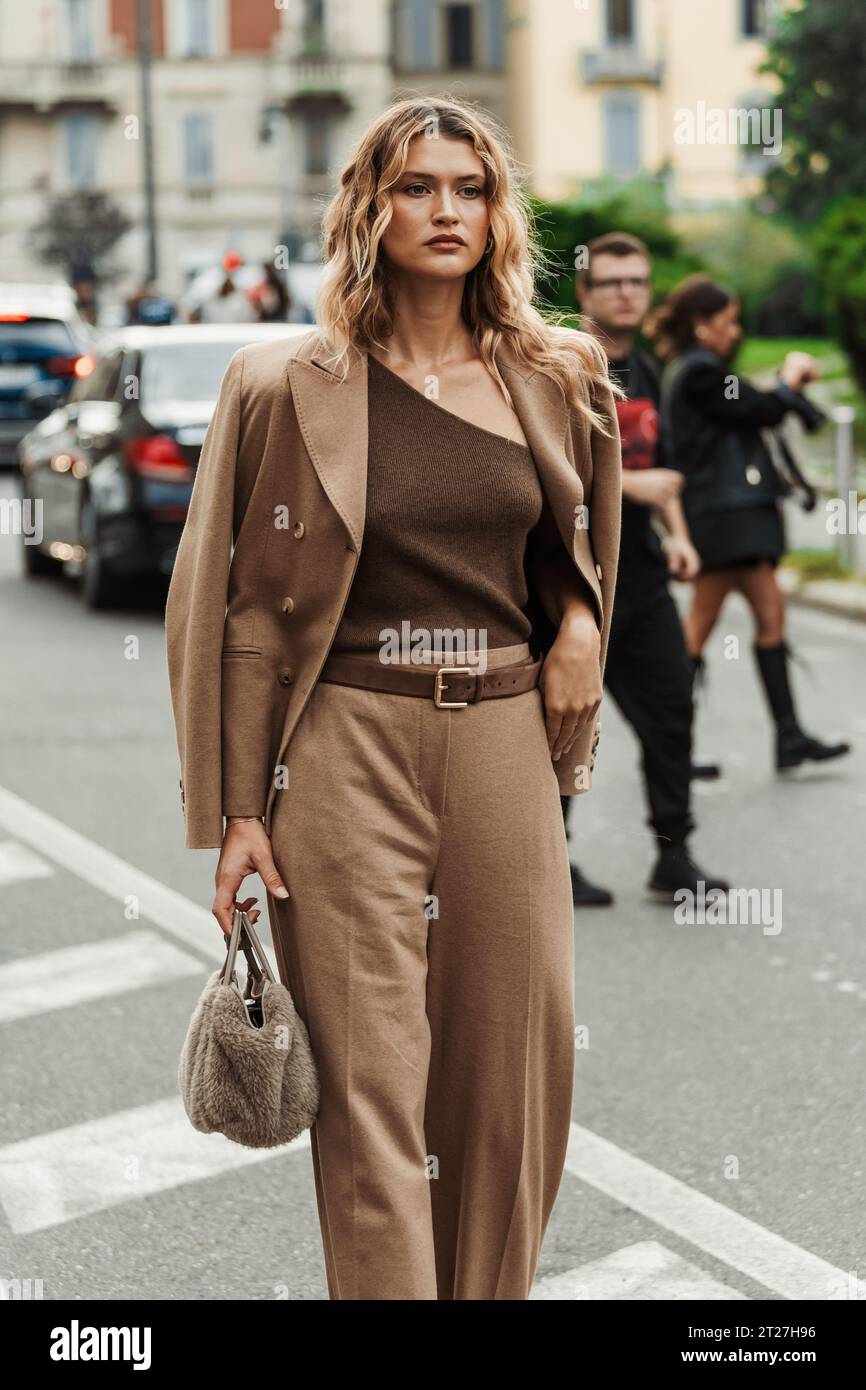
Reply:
x=700 y=771
x=793 y=746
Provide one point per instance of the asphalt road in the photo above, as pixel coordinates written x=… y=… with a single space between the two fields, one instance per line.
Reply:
x=718 y=1143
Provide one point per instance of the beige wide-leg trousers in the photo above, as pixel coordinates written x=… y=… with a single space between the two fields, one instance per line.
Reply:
x=428 y=944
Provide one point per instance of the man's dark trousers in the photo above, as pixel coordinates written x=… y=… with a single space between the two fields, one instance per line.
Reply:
x=649 y=675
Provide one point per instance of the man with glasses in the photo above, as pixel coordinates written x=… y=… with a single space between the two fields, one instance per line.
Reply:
x=648 y=669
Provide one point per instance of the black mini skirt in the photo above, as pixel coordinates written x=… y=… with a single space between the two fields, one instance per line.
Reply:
x=741 y=536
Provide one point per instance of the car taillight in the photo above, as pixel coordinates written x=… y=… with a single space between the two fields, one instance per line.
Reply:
x=158 y=456
x=63 y=366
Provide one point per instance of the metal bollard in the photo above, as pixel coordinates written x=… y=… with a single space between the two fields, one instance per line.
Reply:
x=846 y=480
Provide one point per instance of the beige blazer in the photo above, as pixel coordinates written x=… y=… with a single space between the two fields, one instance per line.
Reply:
x=271 y=545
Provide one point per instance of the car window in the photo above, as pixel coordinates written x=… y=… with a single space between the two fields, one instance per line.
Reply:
x=184 y=371
x=29 y=337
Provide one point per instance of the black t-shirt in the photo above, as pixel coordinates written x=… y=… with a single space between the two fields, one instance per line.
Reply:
x=642 y=562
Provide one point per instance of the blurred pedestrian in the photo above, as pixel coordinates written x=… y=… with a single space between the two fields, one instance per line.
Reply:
x=712 y=421
x=648 y=671
x=270 y=297
x=228 y=303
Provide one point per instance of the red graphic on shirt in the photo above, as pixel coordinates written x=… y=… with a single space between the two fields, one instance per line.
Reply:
x=639 y=432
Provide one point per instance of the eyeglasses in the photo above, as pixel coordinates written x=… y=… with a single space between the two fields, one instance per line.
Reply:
x=626 y=282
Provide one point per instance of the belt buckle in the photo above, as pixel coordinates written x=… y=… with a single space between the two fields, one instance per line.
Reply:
x=440 y=685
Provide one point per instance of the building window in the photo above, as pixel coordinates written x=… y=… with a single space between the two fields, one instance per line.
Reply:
x=754 y=15
x=313 y=27
x=197 y=33
x=621 y=124
x=79 y=29
x=316 y=143
x=81 y=150
x=458 y=36
x=198 y=148
x=415 y=24
x=620 y=21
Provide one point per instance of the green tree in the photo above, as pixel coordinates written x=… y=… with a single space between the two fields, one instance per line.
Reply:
x=78 y=232
x=816 y=52
x=840 y=245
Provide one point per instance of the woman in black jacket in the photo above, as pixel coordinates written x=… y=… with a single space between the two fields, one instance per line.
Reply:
x=711 y=425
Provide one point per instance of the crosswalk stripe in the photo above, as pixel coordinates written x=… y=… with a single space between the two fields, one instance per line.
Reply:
x=643 y=1271
x=736 y=1241
x=73 y=1172
x=19 y=863
x=186 y=921
x=38 y=984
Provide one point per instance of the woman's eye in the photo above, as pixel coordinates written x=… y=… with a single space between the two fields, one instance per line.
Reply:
x=473 y=188
x=410 y=186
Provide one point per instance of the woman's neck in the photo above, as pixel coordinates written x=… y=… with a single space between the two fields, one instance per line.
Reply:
x=428 y=326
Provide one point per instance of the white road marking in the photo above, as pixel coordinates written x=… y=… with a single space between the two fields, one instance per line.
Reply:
x=175 y=914
x=710 y=1226
x=37 y=984
x=69 y=1173
x=18 y=864
x=646 y=1271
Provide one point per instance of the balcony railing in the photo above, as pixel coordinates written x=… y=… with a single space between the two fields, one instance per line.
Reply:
x=42 y=86
x=619 y=63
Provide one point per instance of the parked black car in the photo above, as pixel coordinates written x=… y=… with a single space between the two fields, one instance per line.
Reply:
x=114 y=465
x=45 y=346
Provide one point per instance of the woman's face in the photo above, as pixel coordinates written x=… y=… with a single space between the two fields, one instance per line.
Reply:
x=722 y=331
x=440 y=194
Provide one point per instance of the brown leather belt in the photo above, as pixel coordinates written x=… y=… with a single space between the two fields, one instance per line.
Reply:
x=463 y=685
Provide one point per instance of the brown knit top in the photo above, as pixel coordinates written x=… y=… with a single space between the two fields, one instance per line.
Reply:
x=449 y=509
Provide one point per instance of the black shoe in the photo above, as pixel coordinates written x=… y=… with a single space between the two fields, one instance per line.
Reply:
x=586 y=894
x=675 y=869
x=794 y=747
x=705 y=772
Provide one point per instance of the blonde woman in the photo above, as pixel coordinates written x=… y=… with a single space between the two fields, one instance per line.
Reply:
x=387 y=628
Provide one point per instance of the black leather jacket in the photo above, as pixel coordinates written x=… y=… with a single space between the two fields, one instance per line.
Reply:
x=711 y=432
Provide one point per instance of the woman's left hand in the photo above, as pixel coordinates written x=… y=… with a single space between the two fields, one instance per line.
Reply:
x=570 y=680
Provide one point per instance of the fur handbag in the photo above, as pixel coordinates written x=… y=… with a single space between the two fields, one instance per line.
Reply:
x=246 y=1069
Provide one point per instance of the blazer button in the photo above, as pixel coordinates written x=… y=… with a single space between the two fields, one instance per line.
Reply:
x=299 y=529
x=286 y=676
x=288 y=605
x=598 y=571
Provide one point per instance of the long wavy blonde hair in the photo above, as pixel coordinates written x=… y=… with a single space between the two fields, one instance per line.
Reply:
x=354 y=307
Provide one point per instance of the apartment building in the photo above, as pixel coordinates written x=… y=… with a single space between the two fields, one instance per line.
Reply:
x=607 y=90
x=255 y=104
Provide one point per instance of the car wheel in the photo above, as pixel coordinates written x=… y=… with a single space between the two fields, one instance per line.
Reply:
x=35 y=561
x=98 y=587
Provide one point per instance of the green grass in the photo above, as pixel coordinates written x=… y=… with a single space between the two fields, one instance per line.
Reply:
x=762 y=354
x=817 y=564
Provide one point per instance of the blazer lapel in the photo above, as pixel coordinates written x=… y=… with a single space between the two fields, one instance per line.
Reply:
x=332 y=415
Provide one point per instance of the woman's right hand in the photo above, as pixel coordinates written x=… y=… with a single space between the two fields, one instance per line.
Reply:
x=246 y=849
x=798 y=368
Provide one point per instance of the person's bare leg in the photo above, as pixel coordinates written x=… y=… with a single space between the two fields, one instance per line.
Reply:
x=708 y=594
x=760 y=588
